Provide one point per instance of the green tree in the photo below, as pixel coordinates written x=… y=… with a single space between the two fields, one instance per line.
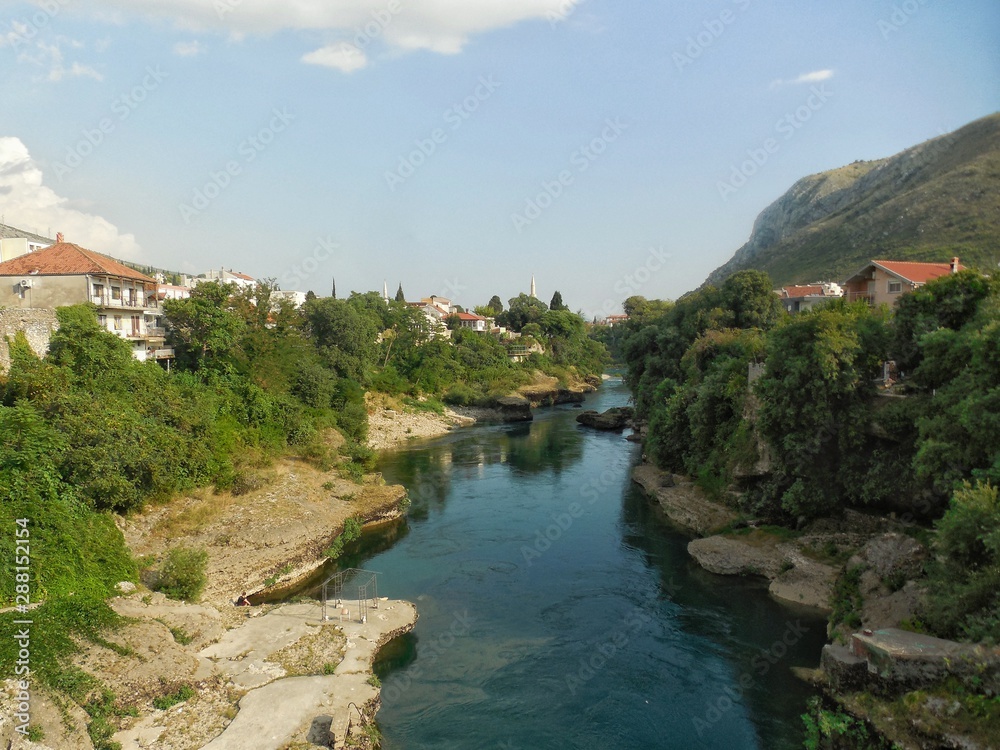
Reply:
x=522 y=310
x=204 y=328
x=949 y=301
x=344 y=336
x=85 y=349
x=496 y=304
x=816 y=405
x=400 y=297
x=557 y=302
x=964 y=583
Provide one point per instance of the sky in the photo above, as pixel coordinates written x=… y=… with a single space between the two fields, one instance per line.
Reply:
x=460 y=147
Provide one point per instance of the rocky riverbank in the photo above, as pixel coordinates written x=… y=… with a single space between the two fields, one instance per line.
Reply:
x=790 y=565
x=391 y=423
x=273 y=676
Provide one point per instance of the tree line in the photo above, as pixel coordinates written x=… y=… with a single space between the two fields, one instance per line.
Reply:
x=788 y=416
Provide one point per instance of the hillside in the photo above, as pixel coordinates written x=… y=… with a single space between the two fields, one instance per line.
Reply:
x=930 y=202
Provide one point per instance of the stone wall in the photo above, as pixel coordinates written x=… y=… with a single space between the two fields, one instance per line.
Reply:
x=37 y=324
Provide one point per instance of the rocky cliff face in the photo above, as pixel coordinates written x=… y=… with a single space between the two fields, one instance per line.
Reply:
x=929 y=202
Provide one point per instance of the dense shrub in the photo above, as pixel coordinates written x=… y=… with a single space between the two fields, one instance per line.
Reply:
x=182 y=575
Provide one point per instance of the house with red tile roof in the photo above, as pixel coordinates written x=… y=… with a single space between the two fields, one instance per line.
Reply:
x=884 y=281
x=796 y=298
x=67 y=274
x=473 y=321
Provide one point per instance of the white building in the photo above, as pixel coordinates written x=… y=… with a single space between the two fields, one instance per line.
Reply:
x=16 y=242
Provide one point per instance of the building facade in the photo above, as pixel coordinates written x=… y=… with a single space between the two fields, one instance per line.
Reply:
x=64 y=274
x=885 y=281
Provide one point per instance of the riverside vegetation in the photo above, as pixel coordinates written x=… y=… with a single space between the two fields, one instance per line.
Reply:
x=816 y=433
x=88 y=433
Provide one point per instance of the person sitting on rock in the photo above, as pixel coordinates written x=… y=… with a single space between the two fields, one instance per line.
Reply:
x=242 y=600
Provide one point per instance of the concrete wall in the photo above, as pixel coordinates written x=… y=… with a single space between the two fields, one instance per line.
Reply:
x=37 y=325
x=45 y=291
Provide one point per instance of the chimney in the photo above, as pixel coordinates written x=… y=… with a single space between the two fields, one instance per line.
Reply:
x=59 y=237
x=954 y=264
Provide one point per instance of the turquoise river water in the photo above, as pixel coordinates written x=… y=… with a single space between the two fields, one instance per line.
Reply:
x=559 y=609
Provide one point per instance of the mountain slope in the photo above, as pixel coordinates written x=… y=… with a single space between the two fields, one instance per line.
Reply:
x=930 y=202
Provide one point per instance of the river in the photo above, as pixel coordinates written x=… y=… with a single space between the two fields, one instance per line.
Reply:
x=559 y=609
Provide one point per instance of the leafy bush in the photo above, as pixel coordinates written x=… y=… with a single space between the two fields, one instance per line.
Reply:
x=183 y=574
x=965 y=581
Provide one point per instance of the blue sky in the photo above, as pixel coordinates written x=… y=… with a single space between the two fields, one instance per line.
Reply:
x=460 y=146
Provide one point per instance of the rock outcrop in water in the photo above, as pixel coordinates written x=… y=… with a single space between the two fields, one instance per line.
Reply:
x=616 y=418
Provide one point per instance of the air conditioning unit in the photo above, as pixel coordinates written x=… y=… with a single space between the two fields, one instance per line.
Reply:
x=26 y=283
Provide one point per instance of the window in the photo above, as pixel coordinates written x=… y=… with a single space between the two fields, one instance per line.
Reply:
x=118 y=322
x=102 y=321
x=98 y=290
x=116 y=292
x=136 y=325
x=895 y=287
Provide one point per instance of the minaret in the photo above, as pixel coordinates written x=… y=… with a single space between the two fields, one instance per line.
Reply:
x=533 y=286
x=385 y=291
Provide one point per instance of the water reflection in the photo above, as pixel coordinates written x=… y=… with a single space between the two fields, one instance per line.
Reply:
x=614 y=588
x=427 y=471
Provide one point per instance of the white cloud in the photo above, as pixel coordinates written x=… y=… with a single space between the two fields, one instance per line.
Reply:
x=815 y=76
x=26 y=203
x=443 y=26
x=41 y=54
x=188 y=49
x=343 y=56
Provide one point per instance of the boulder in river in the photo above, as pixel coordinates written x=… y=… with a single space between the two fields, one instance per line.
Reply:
x=615 y=418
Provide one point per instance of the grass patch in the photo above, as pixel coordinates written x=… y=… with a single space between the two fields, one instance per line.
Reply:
x=183 y=693
x=205 y=509
x=55 y=624
x=180 y=635
x=428 y=406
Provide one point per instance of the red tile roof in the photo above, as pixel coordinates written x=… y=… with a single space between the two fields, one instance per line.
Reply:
x=469 y=316
x=794 y=292
x=918 y=273
x=67 y=259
